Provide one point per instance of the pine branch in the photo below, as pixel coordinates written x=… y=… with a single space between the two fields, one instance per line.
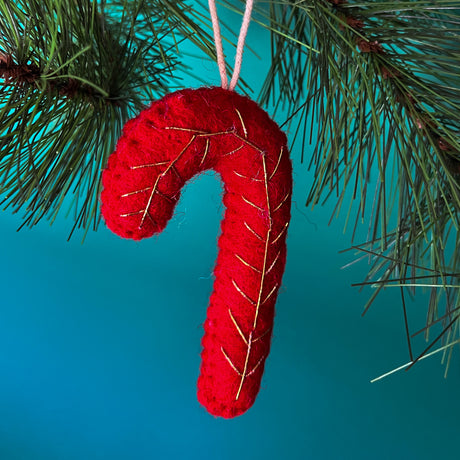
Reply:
x=74 y=71
x=381 y=80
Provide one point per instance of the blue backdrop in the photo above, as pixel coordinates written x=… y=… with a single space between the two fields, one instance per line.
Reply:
x=100 y=344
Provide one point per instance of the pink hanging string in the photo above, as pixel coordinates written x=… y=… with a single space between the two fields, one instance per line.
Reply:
x=218 y=42
x=239 y=47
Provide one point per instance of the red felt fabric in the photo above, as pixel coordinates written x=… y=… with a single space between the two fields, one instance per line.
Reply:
x=177 y=137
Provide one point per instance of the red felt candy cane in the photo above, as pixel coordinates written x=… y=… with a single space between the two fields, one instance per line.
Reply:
x=177 y=137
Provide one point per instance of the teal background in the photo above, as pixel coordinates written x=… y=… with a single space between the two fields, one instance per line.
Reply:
x=100 y=344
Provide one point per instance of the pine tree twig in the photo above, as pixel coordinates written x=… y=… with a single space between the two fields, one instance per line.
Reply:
x=17 y=74
x=72 y=73
x=391 y=72
x=380 y=101
x=30 y=74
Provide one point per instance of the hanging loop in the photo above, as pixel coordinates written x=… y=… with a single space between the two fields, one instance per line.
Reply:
x=239 y=47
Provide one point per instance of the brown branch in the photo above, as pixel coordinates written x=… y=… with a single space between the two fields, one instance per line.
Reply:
x=19 y=74
x=28 y=74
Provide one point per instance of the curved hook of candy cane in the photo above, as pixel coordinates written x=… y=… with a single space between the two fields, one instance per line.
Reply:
x=176 y=138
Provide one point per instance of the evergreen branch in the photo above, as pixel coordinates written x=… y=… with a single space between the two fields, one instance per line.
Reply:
x=384 y=90
x=74 y=71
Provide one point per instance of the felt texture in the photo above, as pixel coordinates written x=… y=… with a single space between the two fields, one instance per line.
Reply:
x=177 y=137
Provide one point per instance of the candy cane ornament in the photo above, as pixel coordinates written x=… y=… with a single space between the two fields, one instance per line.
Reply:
x=177 y=137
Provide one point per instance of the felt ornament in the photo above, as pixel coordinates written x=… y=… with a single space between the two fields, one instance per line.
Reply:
x=177 y=137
